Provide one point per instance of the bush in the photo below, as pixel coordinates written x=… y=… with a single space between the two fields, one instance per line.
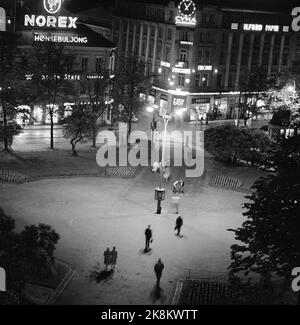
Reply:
x=231 y=144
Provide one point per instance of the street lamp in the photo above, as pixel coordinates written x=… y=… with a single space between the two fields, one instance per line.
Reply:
x=292 y=89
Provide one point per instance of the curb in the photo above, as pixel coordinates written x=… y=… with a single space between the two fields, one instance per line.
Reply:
x=63 y=284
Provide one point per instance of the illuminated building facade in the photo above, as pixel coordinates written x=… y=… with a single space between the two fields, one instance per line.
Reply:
x=88 y=50
x=202 y=52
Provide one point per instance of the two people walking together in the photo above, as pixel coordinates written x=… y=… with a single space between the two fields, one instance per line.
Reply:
x=110 y=258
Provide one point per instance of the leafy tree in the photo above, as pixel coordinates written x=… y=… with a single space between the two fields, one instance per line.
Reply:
x=133 y=78
x=257 y=144
x=48 y=65
x=98 y=93
x=269 y=238
x=13 y=90
x=78 y=126
x=256 y=82
x=25 y=255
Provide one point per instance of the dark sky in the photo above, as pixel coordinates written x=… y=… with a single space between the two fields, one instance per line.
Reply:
x=275 y=5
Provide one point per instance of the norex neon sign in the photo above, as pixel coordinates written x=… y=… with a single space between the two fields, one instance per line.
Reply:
x=51 y=7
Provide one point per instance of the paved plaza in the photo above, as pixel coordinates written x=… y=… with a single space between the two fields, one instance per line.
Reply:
x=91 y=214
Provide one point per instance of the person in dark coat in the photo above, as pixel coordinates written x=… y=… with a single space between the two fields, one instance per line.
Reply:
x=113 y=256
x=158 y=268
x=179 y=223
x=148 y=237
x=107 y=258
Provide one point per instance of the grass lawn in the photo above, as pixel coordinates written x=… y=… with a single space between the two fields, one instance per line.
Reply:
x=51 y=163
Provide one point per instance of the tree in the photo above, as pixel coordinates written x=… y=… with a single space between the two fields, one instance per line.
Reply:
x=269 y=238
x=256 y=82
x=257 y=145
x=79 y=126
x=13 y=90
x=25 y=255
x=48 y=66
x=98 y=92
x=133 y=78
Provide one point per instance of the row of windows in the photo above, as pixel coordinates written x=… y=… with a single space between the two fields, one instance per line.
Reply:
x=84 y=64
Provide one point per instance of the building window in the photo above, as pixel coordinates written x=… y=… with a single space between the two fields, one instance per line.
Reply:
x=69 y=64
x=207 y=57
x=201 y=57
x=201 y=37
x=160 y=32
x=222 y=58
x=224 y=38
x=84 y=63
x=184 y=35
x=209 y=38
x=169 y=34
x=219 y=80
x=204 y=18
x=151 y=49
x=197 y=80
x=211 y=19
x=158 y=50
x=167 y=53
x=181 y=80
x=98 y=65
x=182 y=56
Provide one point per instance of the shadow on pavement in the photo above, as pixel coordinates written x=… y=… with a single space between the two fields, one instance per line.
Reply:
x=157 y=294
x=97 y=275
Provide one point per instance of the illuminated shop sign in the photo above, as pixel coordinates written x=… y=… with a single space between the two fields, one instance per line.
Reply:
x=66 y=76
x=180 y=70
x=186 y=17
x=186 y=43
x=260 y=27
x=204 y=67
x=165 y=64
x=42 y=38
x=51 y=7
x=200 y=100
x=178 y=101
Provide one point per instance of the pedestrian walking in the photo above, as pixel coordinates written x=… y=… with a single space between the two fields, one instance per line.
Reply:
x=175 y=201
x=113 y=256
x=148 y=237
x=107 y=258
x=179 y=223
x=158 y=268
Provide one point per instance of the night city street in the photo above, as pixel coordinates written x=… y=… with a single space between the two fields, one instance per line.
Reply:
x=149 y=157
